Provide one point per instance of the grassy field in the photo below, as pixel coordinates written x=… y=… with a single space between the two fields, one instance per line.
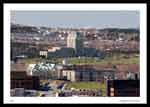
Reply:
x=37 y=60
x=115 y=59
x=79 y=85
x=87 y=85
x=30 y=60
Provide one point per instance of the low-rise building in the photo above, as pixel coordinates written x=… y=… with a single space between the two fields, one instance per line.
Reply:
x=63 y=52
x=124 y=71
x=53 y=49
x=20 y=79
x=85 y=73
x=43 y=53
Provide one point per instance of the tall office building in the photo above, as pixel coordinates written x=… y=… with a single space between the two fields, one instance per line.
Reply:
x=74 y=41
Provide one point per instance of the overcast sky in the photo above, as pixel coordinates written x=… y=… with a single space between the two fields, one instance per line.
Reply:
x=99 y=19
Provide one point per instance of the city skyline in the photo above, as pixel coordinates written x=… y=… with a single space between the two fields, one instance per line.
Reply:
x=74 y=19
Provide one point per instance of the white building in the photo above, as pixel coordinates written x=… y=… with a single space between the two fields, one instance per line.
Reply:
x=30 y=68
x=65 y=62
x=74 y=41
x=43 y=53
x=53 y=49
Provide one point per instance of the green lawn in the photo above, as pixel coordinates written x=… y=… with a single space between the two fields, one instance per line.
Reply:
x=30 y=60
x=37 y=60
x=87 y=85
x=113 y=60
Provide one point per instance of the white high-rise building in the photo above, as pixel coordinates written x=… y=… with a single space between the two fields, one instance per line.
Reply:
x=74 y=41
x=71 y=40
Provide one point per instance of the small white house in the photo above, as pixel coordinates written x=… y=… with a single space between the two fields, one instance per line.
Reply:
x=30 y=68
x=43 y=53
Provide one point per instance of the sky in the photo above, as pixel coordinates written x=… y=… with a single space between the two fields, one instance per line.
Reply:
x=98 y=19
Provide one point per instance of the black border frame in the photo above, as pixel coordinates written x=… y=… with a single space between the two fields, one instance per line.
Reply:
x=75 y=1
x=63 y=1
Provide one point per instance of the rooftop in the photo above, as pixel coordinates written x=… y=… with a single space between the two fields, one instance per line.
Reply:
x=128 y=68
x=19 y=67
x=134 y=68
x=89 y=67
